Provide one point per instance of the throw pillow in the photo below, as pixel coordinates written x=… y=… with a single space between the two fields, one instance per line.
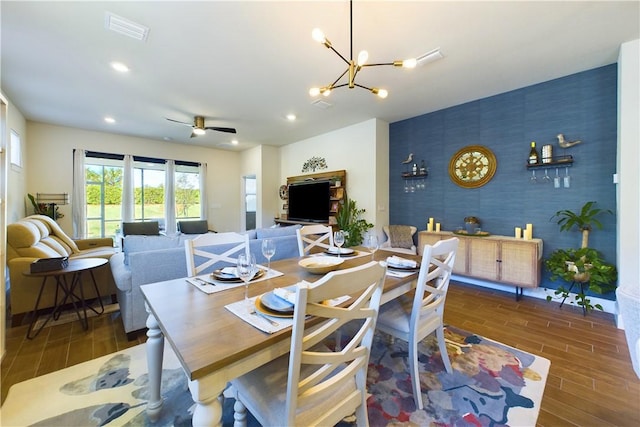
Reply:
x=400 y=236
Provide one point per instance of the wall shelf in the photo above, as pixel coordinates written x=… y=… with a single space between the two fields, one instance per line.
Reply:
x=557 y=162
x=408 y=175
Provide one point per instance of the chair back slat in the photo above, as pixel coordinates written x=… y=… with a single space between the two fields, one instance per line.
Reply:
x=228 y=255
x=312 y=237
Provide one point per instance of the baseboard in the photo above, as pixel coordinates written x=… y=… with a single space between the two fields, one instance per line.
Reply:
x=608 y=306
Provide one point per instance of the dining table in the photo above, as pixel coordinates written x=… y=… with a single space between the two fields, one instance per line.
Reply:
x=213 y=345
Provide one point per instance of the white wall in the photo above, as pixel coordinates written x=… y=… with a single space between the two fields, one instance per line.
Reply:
x=628 y=161
x=50 y=158
x=362 y=150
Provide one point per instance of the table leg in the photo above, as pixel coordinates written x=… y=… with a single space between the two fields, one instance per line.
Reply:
x=34 y=317
x=205 y=392
x=155 y=350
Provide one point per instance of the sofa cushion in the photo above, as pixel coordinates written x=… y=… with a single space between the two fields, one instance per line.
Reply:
x=193 y=227
x=147 y=228
x=265 y=233
x=138 y=243
x=54 y=230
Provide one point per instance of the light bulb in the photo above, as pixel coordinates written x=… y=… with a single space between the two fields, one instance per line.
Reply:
x=326 y=91
x=199 y=131
x=314 y=91
x=318 y=35
x=410 y=63
x=382 y=93
x=362 y=58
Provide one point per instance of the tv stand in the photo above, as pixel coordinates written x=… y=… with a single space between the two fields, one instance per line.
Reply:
x=337 y=193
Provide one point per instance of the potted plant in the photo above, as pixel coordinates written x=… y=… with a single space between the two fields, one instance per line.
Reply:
x=48 y=209
x=585 y=265
x=349 y=220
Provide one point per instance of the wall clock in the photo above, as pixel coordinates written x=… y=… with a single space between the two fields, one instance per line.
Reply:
x=472 y=166
x=284 y=192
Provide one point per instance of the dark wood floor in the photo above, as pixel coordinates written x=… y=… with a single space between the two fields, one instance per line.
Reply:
x=591 y=381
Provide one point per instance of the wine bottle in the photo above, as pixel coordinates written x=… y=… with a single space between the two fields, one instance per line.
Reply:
x=533 y=154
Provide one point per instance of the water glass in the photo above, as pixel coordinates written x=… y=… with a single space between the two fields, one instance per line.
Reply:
x=268 y=250
x=338 y=240
x=246 y=267
x=372 y=244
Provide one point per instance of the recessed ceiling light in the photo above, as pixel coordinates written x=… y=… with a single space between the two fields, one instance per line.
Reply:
x=109 y=120
x=120 y=67
x=291 y=117
x=168 y=138
x=234 y=142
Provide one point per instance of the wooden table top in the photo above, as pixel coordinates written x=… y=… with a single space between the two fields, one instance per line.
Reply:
x=207 y=337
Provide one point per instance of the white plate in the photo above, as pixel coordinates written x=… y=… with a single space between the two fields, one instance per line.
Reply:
x=343 y=251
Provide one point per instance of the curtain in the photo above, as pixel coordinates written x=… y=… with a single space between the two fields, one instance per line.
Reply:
x=127 y=208
x=78 y=198
x=170 y=198
x=203 y=191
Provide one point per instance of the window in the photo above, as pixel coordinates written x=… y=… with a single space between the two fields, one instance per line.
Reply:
x=16 y=149
x=187 y=186
x=104 y=183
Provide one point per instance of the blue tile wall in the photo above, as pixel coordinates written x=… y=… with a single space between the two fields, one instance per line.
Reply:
x=581 y=106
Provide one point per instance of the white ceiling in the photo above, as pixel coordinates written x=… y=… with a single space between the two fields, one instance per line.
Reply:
x=247 y=64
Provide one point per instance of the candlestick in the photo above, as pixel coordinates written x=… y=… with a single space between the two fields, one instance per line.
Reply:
x=518 y=232
x=437 y=227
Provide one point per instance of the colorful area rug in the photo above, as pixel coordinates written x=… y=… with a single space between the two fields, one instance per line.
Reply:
x=492 y=385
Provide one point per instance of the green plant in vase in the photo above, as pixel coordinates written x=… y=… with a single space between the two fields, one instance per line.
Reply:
x=584 y=266
x=48 y=209
x=349 y=219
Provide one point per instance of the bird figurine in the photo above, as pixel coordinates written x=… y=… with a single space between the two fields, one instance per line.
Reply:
x=566 y=144
x=409 y=159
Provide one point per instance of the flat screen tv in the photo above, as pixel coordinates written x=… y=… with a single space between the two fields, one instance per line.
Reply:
x=309 y=201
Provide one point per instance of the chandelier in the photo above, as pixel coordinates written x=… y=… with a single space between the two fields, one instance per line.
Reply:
x=354 y=67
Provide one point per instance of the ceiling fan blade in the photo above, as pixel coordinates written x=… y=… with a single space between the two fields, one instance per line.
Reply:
x=219 y=129
x=182 y=123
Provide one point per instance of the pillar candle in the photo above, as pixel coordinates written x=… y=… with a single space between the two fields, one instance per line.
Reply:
x=437 y=227
x=518 y=232
x=529 y=232
x=429 y=226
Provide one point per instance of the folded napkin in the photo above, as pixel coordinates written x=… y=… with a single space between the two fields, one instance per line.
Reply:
x=259 y=320
x=208 y=285
x=289 y=293
x=231 y=271
x=401 y=262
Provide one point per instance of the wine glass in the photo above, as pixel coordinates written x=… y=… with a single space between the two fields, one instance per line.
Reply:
x=246 y=266
x=372 y=244
x=533 y=179
x=546 y=178
x=338 y=239
x=268 y=250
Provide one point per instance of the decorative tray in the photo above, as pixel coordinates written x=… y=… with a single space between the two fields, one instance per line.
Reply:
x=477 y=234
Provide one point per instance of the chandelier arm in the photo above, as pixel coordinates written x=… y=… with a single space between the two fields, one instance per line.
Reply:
x=338 y=79
x=342 y=85
x=363 y=87
x=377 y=65
x=339 y=54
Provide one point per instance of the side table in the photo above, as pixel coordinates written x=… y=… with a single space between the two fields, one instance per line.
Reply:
x=73 y=272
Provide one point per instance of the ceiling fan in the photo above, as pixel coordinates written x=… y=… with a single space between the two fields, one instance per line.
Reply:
x=198 y=127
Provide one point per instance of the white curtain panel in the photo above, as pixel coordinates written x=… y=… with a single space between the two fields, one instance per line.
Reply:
x=79 y=199
x=203 y=191
x=127 y=190
x=170 y=198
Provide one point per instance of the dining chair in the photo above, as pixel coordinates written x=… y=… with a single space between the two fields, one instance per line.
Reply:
x=315 y=384
x=399 y=239
x=200 y=260
x=413 y=317
x=314 y=236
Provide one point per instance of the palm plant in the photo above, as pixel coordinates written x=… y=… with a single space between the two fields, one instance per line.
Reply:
x=584 y=220
x=349 y=220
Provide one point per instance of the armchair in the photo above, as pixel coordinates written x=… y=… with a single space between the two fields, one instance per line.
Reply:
x=38 y=236
x=399 y=239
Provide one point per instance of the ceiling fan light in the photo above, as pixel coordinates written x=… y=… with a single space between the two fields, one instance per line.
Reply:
x=199 y=131
x=382 y=93
x=362 y=58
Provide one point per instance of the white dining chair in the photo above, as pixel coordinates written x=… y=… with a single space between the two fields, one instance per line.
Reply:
x=314 y=236
x=199 y=260
x=315 y=384
x=413 y=317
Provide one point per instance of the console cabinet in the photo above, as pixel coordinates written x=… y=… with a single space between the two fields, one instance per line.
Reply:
x=499 y=259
